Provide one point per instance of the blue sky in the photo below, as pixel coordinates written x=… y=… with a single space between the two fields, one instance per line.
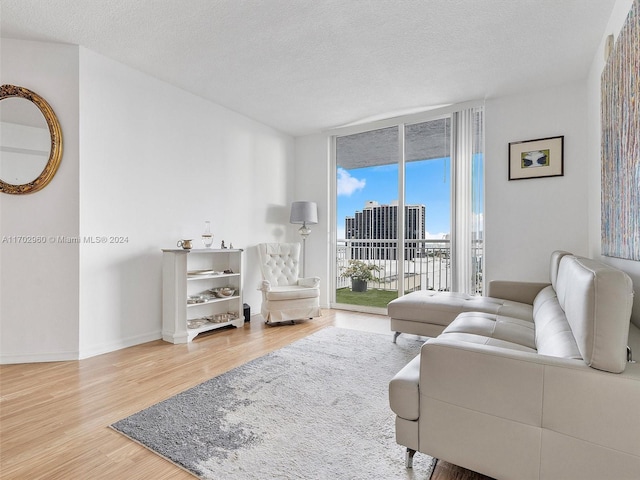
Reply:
x=427 y=182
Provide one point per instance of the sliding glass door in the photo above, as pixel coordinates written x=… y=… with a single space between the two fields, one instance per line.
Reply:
x=366 y=203
x=427 y=192
x=408 y=210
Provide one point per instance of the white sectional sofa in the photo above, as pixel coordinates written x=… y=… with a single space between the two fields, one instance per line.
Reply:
x=428 y=313
x=518 y=390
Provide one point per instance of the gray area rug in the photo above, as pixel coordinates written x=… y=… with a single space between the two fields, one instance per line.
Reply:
x=316 y=409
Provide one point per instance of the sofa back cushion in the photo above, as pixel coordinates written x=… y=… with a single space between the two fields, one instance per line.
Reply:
x=555 y=265
x=553 y=334
x=597 y=300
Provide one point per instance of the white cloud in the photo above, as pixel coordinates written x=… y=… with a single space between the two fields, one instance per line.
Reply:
x=348 y=184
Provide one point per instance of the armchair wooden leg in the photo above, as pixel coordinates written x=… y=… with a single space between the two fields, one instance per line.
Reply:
x=395 y=336
x=408 y=459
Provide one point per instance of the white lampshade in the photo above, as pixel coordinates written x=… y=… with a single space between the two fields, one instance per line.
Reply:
x=304 y=213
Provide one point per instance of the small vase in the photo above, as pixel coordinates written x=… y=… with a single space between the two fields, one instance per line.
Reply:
x=207 y=236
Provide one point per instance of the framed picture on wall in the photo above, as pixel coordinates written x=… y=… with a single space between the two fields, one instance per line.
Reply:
x=543 y=157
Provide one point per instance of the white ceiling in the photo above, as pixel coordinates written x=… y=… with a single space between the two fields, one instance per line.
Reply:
x=302 y=66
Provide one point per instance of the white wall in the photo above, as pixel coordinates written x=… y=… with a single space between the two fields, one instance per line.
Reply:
x=156 y=163
x=143 y=161
x=525 y=220
x=39 y=282
x=313 y=173
x=593 y=158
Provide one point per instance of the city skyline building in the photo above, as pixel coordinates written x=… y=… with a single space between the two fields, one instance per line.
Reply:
x=380 y=222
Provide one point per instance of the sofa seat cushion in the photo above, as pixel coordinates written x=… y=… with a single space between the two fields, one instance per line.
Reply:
x=290 y=292
x=404 y=391
x=441 y=308
x=482 y=340
x=490 y=329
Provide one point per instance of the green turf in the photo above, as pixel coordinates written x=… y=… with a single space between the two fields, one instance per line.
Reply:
x=371 y=298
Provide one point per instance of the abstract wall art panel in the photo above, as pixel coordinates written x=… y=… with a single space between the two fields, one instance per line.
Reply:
x=620 y=116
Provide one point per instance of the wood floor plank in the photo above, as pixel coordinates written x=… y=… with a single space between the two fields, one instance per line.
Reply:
x=55 y=417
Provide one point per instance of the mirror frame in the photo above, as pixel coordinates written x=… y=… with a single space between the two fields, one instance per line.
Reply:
x=55 y=132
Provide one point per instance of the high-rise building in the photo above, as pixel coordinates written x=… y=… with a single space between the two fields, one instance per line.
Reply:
x=380 y=222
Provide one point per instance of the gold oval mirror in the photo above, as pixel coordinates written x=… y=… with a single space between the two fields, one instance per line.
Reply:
x=30 y=141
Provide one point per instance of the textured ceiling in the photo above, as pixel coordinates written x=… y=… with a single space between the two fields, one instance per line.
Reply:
x=306 y=65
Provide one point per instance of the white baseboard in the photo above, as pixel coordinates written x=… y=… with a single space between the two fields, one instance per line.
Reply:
x=119 y=344
x=10 y=359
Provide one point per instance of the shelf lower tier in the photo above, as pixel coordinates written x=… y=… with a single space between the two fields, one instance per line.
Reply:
x=189 y=334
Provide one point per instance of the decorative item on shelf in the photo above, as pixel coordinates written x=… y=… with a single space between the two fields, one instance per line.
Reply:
x=219 y=317
x=207 y=236
x=186 y=244
x=360 y=273
x=222 y=244
x=224 y=317
x=196 y=299
x=305 y=213
x=223 y=292
x=197 y=322
x=228 y=271
x=192 y=273
x=231 y=245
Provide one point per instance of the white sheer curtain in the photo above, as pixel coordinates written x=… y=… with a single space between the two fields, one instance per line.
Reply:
x=467 y=140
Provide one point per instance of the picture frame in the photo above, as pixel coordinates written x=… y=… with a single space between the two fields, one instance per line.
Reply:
x=542 y=157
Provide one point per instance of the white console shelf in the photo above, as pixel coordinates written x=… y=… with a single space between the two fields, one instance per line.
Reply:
x=189 y=280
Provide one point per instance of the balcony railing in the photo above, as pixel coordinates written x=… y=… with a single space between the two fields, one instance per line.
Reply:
x=427 y=264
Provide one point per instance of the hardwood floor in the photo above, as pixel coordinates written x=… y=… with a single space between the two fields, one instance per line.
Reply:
x=54 y=417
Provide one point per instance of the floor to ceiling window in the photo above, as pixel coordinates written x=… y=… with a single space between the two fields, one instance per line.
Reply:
x=408 y=209
x=367 y=202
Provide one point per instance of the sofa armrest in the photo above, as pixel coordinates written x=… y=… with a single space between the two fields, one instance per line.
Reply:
x=265 y=286
x=313 y=282
x=404 y=391
x=523 y=292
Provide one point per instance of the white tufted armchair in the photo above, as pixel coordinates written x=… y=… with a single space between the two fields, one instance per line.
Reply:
x=285 y=297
